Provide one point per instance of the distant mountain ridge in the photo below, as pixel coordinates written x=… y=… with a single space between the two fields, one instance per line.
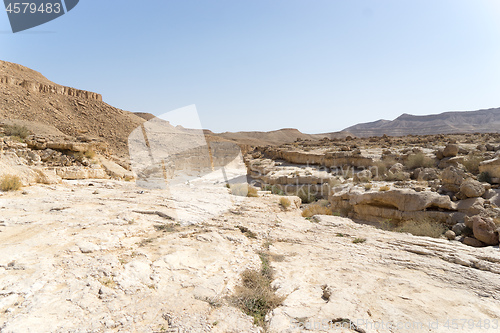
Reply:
x=487 y=120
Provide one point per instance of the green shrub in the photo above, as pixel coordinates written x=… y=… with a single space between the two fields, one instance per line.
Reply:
x=10 y=183
x=419 y=160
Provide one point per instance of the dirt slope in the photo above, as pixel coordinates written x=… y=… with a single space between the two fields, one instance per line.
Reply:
x=27 y=95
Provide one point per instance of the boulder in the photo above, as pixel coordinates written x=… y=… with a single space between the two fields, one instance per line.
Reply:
x=491 y=166
x=363 y=176
x=452 y=177
x=115 y=170
x=450 y=234
x=471 y=241
x=485 y=230
x=471 y=206
x=459 y=228
x=471 y=188
x=425 y=174
x=450 y=150
x=396 y=168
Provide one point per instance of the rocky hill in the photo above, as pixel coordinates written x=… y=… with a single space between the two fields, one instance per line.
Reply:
x=483 y=121
x=29 y=98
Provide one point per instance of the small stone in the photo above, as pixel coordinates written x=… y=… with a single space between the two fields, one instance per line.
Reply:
x=86 y=247
x=459 y=228
x=450 y=234
x=450 y=150
x=473 y=242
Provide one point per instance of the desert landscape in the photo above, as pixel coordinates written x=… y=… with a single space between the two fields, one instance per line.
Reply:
x=114 y=221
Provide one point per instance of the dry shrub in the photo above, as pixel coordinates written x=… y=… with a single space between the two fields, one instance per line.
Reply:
x=316 y=209
x=255 y=296
x=243 y=190
x=471 y=163
x=419 y=160
x=10 y=183
x=305 y=195
x=16 y=130
x=285 y=202
x=425 y=227
x=384 y=188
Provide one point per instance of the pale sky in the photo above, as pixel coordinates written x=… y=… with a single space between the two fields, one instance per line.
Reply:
x=315 y=65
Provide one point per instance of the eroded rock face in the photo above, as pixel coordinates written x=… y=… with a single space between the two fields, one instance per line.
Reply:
x=395 y=204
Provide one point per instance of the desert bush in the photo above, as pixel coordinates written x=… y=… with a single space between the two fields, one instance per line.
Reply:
x=368 y=186
x=425 y=227
x=484 y=177
x=90 y=154
x=16 y=130
x=255 y=296
x=243 y=190
x=419 y=160
x=316 y=209
x=10 y=183
x=471 y=163
x=285 y=202
x=305 y=195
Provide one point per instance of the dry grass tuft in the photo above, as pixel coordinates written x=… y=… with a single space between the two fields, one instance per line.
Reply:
x=243 y=190
x=316 y=209
x=285 y=202
x=10 y=183
x=425 y=227
x=419 y=160
x=17 y=131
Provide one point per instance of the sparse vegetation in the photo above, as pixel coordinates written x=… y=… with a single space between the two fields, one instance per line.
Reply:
x=368 y=186
x=316 y=209
x=419 y=160
x=10 y=183
x=255 y=296
x=243 y=190
x=16 y=131
x=471 y=163
x=424 y=227
x=90 y=154
x=358 y=240
x=285 y=202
